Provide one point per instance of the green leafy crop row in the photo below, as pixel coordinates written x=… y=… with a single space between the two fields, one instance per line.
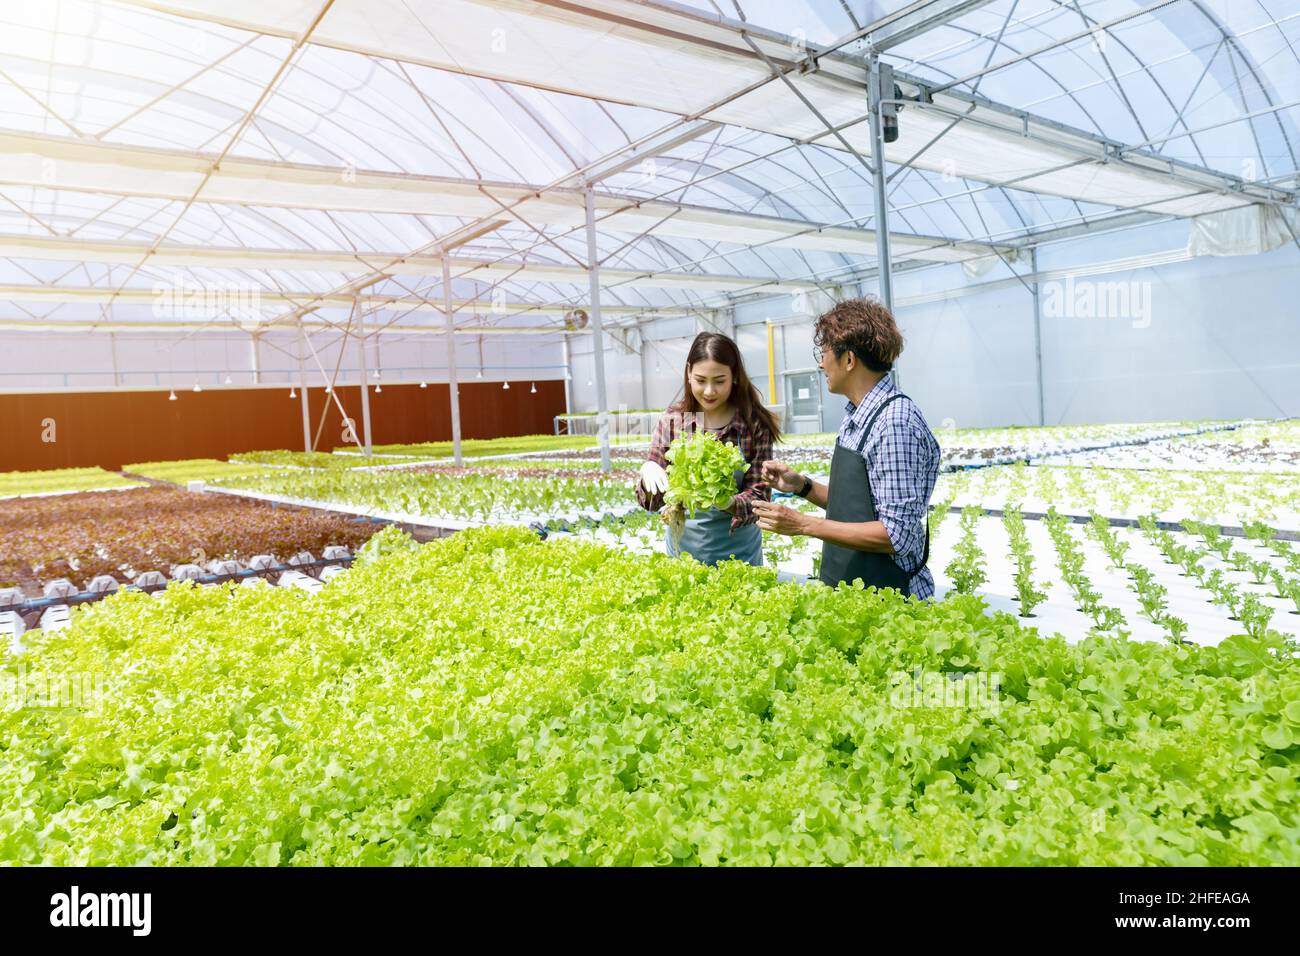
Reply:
x=461 y=702
x=1027 y=592
x=1225 y=497
x=967 y=567
x=193 y=469
x=314 y=459
x=486 y=446
x=14 y=483
x=433 y=494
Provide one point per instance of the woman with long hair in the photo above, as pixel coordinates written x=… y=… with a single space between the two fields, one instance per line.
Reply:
x=717 y=397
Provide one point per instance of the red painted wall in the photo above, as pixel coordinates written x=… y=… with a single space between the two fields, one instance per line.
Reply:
x=110 y=429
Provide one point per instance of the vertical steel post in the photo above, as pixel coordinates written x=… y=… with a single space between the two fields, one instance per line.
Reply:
x=254 y=361
x=568 y=374
x=876 y=93
x=365 y=385
x=645 y=388
x=112 y=347
x=302 y=387
x=1038 y=336
x=453 y=388
x=771 y=363
x=597 y=333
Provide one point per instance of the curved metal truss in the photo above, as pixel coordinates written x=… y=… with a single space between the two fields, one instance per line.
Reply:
x=333 y=159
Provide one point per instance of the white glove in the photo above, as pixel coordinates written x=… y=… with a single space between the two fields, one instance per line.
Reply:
x=653 y=478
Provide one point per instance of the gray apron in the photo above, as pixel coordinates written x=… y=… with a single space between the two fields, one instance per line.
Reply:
x=849 y=498
x=708 y=537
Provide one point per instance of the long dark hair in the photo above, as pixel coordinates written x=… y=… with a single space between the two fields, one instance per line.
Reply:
x=745 y=398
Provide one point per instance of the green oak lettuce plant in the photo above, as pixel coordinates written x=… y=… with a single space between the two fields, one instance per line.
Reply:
x=701 y=475
x=702 y=471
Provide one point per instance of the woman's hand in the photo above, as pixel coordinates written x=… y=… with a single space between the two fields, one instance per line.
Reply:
x=653 y=478
x=779 y=519
x=782 y=477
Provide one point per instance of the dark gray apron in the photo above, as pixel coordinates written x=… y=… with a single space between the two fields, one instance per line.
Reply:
x=708 y=537
x=849 y=499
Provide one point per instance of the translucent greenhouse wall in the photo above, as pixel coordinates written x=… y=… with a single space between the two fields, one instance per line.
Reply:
x=1223 y=341
x=1131 y=330
x=78 y=360
x=658 y=367
x=1184 y=338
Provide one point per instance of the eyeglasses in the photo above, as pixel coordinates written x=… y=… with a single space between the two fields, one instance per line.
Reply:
x=818 y=352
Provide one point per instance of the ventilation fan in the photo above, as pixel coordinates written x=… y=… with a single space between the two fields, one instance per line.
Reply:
x=575 y=319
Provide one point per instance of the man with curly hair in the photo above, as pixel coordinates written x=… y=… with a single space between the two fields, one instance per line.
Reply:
x=885 y=465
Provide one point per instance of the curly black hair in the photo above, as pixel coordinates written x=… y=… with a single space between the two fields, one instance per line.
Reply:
x=864 y=327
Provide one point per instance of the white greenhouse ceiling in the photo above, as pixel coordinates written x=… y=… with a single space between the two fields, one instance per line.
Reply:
x=330 y=151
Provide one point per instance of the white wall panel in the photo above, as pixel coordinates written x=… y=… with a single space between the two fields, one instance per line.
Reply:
x=622 y=376
x=968 y=361
x=1222 y=340
x=86 y=360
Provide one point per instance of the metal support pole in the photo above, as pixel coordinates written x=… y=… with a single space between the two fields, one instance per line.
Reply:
x=597 y=333
x=1038 y=335
x=771 y=363
x=254 y=361
x=453 y=387
x=874 y=95
x=640 y=364
x=112 y=347
x=365 y=385
x=568 y=375
x=302 y=387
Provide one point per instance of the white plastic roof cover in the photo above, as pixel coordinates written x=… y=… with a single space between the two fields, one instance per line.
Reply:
x=304 y=145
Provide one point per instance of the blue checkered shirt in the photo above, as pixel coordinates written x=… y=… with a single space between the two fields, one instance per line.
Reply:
x=902 y=459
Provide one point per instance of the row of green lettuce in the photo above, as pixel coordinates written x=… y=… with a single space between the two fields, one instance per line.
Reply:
x=495 y=698
x=252 y=463
x=433 y=495
x=61 y=481
x=519 y=444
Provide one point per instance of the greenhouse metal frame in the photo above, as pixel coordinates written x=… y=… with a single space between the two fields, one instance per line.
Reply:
x=660 y=133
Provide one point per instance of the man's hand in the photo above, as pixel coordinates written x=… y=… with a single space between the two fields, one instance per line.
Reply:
x=779 y=519
x=782 y=477
x=653 y=478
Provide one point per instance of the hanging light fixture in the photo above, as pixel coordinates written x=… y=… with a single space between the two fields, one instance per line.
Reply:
x=172 y=396
x=379 y=388
x=424 y=384
x=198 y=387
x=228 y=381
x=505 y=385
x=479 y=373
x=293 y=392
x=329 y=389
x=376 y=374
x=533 y=390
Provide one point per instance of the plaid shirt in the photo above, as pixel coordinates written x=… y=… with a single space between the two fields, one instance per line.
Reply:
x=902 y=459
x=755 y=449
